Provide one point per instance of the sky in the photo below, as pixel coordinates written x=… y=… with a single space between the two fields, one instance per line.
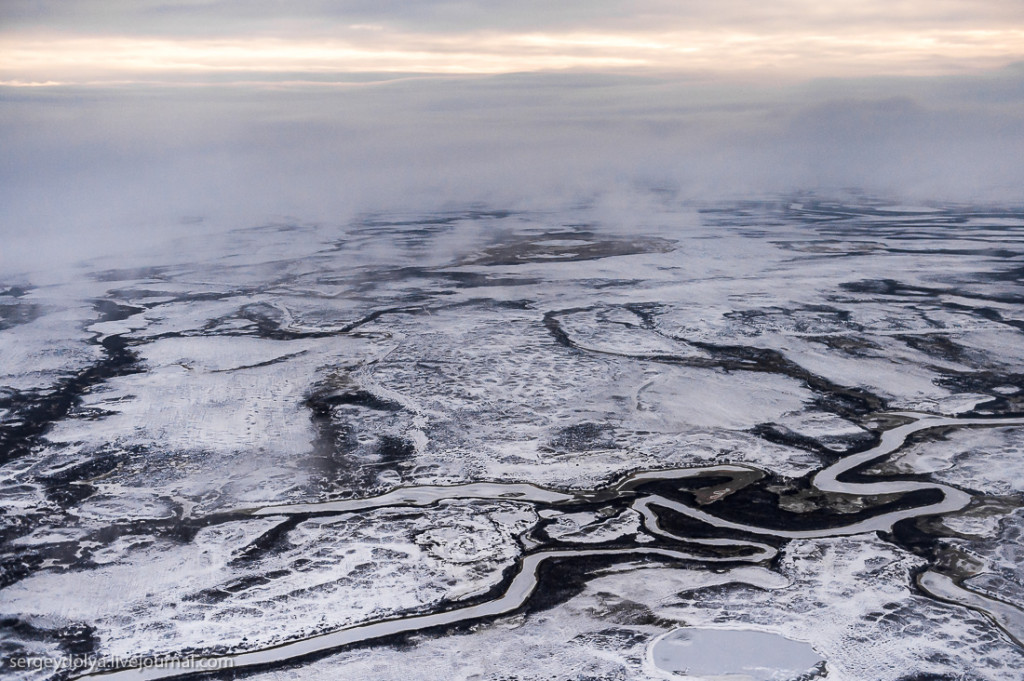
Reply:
x=54 y=41
x=134 y=117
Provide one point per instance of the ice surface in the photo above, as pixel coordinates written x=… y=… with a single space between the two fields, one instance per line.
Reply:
x=732 y=653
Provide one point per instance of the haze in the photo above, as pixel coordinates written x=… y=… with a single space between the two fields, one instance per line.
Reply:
x=122 y=121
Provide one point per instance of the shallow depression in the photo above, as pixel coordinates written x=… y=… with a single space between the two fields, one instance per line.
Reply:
x=733 y=655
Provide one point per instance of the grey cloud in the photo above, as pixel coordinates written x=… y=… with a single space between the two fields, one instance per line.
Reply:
x=224 y=17
x=92 y=169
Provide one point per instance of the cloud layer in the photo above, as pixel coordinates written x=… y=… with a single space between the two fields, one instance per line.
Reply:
x=325 y=17
x=109 y=41
x=86 y=162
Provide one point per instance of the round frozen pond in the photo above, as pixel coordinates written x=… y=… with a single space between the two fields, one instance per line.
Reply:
x=733 y=655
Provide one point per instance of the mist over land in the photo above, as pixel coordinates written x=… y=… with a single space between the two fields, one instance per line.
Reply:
x=93 y=168
x=120 y=120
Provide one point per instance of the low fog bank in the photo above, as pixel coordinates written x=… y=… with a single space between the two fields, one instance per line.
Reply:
x=91 y=170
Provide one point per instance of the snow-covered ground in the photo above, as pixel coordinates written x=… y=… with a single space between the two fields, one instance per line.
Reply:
x=147 y=407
